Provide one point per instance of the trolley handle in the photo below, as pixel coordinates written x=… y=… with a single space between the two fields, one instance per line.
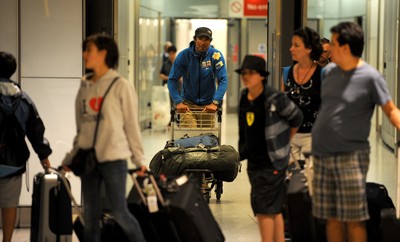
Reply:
x=219 y=113
x=172 y=112
x=153 y=182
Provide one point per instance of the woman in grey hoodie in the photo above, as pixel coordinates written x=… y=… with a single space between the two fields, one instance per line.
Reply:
x=118 y=136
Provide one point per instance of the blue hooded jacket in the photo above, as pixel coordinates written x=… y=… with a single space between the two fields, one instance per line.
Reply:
x=199 y=72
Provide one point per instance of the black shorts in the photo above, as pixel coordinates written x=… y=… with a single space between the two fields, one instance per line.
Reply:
x=268 y=190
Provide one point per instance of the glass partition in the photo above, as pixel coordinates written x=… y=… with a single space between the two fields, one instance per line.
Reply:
x=149 y=61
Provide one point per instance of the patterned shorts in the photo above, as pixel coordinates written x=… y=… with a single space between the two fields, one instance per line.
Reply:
x=340 y=186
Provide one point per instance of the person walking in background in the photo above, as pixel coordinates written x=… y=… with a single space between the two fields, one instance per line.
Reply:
x=326 y=53
x=165 y=52
x=350 y=90
x=166 y=69
x=303 y=86
x=18 y=118
x=118 y=136
x=167 y=65
x=203 y=70
x=267 y=154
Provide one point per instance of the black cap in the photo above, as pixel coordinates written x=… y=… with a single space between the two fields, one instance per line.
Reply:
x=253 y=62
x=203 y=31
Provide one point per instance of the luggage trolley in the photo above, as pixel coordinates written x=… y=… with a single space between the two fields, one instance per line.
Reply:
x=193 y=123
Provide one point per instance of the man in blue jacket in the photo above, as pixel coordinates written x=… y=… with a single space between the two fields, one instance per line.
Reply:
x=203 y=70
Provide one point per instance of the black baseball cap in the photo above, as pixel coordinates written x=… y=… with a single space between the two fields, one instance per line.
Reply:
x=203 y=31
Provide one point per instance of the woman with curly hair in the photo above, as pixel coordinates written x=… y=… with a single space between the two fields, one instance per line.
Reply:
x=303 y=85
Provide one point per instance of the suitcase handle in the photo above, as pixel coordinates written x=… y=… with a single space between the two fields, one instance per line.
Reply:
x=153 y=182
x=308 y=169
x=61 y=173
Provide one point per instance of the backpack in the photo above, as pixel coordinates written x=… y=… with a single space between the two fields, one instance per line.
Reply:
x=14 y=151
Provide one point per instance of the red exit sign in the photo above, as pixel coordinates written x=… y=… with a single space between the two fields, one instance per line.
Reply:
x=255 y=8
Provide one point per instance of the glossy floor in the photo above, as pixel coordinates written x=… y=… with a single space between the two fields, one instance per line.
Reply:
x=233 y=212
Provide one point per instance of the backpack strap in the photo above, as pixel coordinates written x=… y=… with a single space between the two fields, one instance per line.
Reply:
x=285 y=73
x=99 y=113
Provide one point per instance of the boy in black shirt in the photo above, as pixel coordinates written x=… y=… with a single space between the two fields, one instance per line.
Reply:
x=267 y=121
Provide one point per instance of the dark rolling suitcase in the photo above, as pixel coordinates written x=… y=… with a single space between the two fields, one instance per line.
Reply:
x=110 y=230
x=378 y=200
x=191 y=214
x=303 y=226
x=183 y=211
x=156 y=226
x=390 y=225
x=51 y=214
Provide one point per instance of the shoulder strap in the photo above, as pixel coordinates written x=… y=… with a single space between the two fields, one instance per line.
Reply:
x=99 y=114
x=285 y=73
x=322 y=72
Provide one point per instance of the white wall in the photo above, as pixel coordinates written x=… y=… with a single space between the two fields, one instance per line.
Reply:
x=51 y=67
x=9 y=28
x=372 y=34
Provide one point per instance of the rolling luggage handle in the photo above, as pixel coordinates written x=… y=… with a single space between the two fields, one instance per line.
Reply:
x=308 y=170
x=61 y=172
x=139 y=189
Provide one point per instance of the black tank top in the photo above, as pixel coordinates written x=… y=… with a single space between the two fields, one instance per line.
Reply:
x=307 y=97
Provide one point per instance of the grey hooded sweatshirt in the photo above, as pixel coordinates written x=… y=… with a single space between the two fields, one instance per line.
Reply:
x=118 y=136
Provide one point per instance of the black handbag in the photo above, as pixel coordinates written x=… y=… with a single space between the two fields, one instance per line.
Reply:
x=85 y=160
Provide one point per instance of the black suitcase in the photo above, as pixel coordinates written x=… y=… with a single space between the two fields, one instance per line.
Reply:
x=156 y=227
x=111 y=231
x=390 y=225
x=378 y=200
x=183 y=213
x=191 y=214
x=303 y=226
x=51 y=213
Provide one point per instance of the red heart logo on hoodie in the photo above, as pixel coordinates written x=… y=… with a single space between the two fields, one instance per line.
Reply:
x=95 y=102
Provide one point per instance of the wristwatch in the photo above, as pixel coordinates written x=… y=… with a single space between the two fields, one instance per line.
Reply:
x=216 y=102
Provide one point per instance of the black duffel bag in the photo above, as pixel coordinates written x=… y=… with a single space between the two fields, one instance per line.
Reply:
x=222 y=160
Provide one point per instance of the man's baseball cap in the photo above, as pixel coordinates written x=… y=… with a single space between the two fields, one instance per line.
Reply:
x=203 y=31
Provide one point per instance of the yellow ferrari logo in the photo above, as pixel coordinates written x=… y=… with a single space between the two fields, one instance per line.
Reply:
x=216 y=55
x=250 y=118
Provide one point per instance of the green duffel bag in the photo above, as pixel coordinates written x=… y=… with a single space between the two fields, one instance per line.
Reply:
x=222 y=160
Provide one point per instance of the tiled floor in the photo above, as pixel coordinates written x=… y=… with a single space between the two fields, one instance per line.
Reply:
x=233 y=212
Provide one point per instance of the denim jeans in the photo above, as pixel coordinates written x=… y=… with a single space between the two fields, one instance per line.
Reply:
x=114 y=176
